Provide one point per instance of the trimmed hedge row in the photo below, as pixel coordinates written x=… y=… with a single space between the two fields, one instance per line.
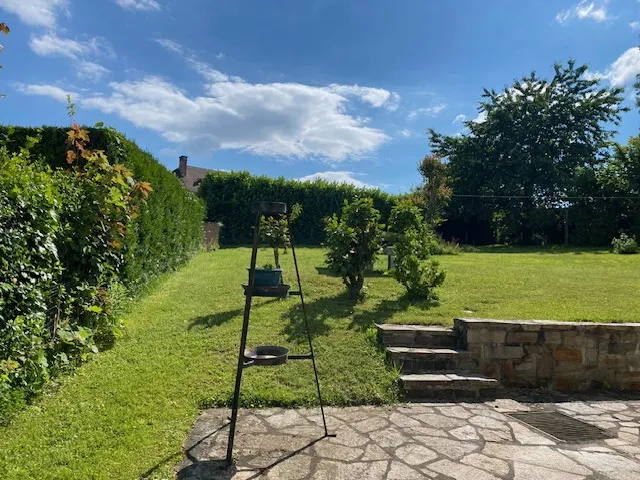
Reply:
x=169 y=228
x=228 y=197
x=73 y=243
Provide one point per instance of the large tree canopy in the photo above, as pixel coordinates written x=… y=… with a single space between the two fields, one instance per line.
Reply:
x=525 y=151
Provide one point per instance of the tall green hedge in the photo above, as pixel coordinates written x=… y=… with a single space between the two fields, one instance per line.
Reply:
x=63 y=267
x=169 y=228
x=228 y=197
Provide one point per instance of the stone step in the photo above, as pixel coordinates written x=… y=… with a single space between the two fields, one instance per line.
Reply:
x=448 y=385
x=416 y=336
x=416 y=360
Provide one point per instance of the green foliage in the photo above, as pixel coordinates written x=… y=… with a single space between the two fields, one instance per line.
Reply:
x=413 y=244
x=434 y=194
x=624 y=244
x=275 y=231
x=353 y=241
x=72 y=246
x=528 y=153
x=229 y=196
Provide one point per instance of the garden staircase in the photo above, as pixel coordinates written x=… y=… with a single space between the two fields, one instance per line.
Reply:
x=431 y=364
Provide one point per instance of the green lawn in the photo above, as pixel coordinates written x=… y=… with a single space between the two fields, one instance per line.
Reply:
x=126 y=413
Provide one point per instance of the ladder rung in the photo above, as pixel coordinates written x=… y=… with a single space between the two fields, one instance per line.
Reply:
x=306 y=356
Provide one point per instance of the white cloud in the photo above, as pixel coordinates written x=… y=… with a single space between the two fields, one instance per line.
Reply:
x=594 y=10
x=337 y=177
x=376 y=97
x=428 y=111
x=459 y=118
x=147 y=5
x=42 y=13
x=202 y=68
x=622 y=71
x=406 y=133
x=635 y=25
x=278 y=119
x=52 y=91
x=49 y=44
x=91 y=71
x=481 y=118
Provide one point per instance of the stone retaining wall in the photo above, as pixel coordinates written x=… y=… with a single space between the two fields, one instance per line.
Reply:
x=557 y=355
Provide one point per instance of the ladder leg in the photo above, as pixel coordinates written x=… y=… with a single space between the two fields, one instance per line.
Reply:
x=243 y=343
x=306 y=322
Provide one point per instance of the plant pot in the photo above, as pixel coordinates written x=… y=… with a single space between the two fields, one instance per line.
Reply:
x=268 y=277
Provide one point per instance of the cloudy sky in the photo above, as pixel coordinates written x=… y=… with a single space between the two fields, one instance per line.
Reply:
x=337 y=89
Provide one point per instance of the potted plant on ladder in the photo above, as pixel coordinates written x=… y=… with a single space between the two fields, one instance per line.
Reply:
x=274 y=231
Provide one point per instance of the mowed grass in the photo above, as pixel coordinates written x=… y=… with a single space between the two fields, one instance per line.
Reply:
x=126 y=413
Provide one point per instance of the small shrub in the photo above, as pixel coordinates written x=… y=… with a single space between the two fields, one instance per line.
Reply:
x=414 y=243
x=624 y=244
x=440 y=246
x=275 y=232
x=353 y=241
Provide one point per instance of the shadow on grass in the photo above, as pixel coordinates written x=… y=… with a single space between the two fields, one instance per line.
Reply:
x=541 y=250
x=220 y=318
x=318 y=312
x=330 y=273
x=386 y=309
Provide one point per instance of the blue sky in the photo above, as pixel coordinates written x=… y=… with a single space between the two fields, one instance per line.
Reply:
x=339 y=89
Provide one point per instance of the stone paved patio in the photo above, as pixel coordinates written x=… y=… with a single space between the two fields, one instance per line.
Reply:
x=462 y=441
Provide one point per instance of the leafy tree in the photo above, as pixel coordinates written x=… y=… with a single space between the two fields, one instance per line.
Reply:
x=275 y=232
x=434 y=194
x=413 y=240
x=353 y=241
x=524 y=156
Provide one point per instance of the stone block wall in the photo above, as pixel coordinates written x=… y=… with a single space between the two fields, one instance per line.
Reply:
x=556 y=355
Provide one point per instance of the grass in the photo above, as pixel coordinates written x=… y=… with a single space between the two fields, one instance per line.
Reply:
x=126 y=413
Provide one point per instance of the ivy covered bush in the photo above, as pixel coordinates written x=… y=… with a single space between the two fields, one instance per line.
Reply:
x=76 y=240
x=229 y=195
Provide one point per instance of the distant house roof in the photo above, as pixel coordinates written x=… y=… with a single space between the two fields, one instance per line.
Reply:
x=190 y=176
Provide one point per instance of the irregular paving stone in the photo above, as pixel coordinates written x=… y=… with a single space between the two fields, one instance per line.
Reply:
x=627 y=437
x=495 y=435
x=390 y=438
x=523 y=471
x=605 y=425
x=542 y=456
x=631 y=449
x=465 y=433
x=440 y=421
x=630 y=424
x=579 y=408
x=429 y=432
x=526 y=436
x=610 y=406
x=453 y=449
x=371 y=424
x=374 y=452
x=252 y=423
x=455 y=411
x=266 y=441
x=459 y=471
x=399 y=471
x=415 y=409
x=615 y=466
x=492 y=465
x=508 y=405
x=485 y=412
x=286 y=419
x=615 y=442
x=294 y=468
x=311 y=431
x=348 y=437
x=414 y=454
x=337 y=452
x=328 y=470
x=597 y=448
x=486 y=422
x=400 y=420
x=332 y=422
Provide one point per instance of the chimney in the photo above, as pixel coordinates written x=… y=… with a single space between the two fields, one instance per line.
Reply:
x=182 y=168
